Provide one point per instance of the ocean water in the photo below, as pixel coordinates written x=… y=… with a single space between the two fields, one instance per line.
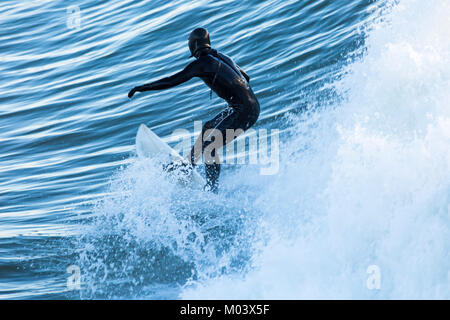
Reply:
x=359 y=207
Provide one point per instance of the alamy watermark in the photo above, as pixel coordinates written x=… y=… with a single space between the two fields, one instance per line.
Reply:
x=74 y=17
x=74 y=280
x=373 y=282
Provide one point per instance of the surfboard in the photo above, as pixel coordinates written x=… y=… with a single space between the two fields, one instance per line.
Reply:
x=149 y=145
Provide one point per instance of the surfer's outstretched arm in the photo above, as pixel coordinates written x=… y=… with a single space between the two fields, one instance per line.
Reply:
x=178 y=78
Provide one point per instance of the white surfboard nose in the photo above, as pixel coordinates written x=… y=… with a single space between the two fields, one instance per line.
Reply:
x=149 y=145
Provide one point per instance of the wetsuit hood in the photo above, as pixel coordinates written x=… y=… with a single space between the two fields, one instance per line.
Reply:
x=198 y=40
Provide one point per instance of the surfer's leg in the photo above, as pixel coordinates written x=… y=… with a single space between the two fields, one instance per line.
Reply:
x=208 y=135
x=213 y=124
x=212 y=177
x=238 y=122
x=227 y=119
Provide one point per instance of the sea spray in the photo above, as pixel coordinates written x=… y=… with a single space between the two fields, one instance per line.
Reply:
x=369 y=190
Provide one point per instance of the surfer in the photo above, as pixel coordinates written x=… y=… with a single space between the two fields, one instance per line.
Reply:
x=228 y=81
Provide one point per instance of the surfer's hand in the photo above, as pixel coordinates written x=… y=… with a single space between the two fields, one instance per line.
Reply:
x=132 y=92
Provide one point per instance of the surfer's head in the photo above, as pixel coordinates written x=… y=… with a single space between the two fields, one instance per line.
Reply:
x=199 y=41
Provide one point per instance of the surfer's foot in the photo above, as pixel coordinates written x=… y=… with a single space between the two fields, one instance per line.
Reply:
x=211 y=188
x=212 y=171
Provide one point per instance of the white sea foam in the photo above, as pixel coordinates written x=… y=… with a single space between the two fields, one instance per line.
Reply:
x=366 y=182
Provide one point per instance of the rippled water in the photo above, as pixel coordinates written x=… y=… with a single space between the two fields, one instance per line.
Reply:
x=359 y=90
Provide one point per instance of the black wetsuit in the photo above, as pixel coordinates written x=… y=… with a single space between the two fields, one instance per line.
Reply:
x=229 y=82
